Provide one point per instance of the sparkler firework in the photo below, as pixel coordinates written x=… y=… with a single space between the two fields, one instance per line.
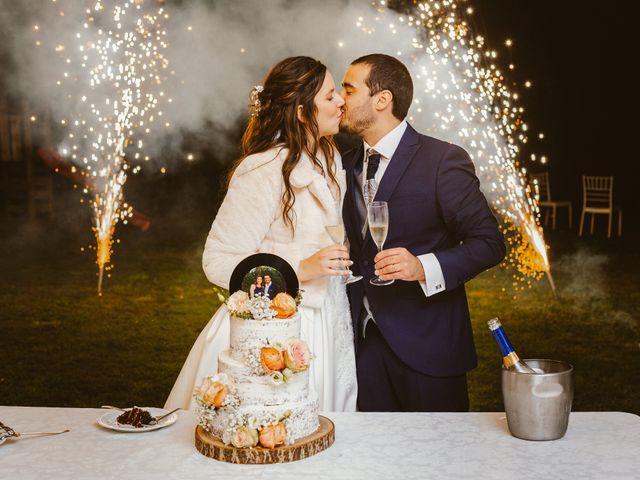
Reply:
x=461 y=96
x=118 y=69
x=118 y=87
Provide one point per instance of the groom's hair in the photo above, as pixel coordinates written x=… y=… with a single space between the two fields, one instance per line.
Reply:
x=389 y=73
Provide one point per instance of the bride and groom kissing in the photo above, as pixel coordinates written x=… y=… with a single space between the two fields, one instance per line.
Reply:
x=401 y=347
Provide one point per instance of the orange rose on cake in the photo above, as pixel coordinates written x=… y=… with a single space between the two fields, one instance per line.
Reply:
x=273 y=435
x=284 y=305
x=211 y=392
x=272 y=359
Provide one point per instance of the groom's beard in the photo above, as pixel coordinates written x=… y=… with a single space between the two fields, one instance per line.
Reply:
x=357 y=120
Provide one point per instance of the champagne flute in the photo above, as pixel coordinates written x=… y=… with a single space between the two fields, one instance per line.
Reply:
x=378 y=216
x=338 y=235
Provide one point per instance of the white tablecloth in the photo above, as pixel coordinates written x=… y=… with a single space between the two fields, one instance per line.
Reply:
x=368 y=446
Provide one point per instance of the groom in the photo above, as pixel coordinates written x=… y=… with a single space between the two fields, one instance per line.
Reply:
x=270 y=288
x=414 y=341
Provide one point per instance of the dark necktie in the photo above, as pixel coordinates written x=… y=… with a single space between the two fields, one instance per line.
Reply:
x=370 y=184
x=372 y=164
x=369 y=188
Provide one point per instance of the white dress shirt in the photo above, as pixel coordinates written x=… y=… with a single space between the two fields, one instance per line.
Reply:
x=386 y=147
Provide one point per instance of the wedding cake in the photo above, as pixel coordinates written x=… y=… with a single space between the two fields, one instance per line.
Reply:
x=260 y=396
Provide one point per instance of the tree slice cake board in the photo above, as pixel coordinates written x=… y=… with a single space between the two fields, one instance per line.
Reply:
x=305 y=447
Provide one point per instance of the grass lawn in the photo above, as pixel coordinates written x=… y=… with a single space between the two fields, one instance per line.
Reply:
x=62 y=345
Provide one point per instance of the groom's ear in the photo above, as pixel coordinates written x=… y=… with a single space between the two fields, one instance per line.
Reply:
x=385 y=99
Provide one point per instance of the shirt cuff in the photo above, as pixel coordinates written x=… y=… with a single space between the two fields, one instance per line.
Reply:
x=434 y=279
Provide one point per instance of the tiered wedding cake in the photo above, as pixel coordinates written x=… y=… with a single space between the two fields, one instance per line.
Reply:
x=261 y=394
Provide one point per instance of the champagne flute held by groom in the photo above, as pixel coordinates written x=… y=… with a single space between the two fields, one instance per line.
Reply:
x=414 y=342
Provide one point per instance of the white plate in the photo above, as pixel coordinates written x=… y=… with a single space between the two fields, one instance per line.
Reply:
x=109 y=420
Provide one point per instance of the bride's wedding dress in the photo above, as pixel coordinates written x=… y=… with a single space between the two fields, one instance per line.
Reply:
x=239 y=231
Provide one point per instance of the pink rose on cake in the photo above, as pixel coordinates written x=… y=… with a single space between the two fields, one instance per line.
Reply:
x=238 y=302
x=296 y=355
x=272 y=359
x=244 y=437
x=273 y=435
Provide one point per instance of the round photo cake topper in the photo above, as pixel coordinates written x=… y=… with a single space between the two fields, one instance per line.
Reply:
x=264 y=274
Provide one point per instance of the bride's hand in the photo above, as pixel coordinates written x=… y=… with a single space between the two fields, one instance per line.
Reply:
x=323 y=262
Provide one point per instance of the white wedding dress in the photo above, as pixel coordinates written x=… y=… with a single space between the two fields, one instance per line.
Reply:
x=326 y=326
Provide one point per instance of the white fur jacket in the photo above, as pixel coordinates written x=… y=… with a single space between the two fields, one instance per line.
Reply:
x=250 y=218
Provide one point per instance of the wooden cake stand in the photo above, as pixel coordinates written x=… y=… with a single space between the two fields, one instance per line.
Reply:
x=305 y=447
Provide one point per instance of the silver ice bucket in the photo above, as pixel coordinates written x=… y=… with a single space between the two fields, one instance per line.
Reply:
x=538 y=406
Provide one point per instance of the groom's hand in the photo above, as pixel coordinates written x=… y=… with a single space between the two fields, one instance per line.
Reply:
x=399 y=264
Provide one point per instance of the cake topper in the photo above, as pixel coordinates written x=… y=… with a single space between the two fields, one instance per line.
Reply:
x=264 y=274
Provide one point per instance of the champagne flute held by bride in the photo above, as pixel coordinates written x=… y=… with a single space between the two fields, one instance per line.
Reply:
x=337 y=234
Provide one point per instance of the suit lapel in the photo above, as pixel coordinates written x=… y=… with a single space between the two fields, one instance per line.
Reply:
x=398 y=164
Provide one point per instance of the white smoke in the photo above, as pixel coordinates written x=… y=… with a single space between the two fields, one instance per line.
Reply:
x=219 y=50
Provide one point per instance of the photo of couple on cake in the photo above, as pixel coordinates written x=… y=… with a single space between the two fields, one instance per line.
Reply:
x=264 y=285
x=405 y=346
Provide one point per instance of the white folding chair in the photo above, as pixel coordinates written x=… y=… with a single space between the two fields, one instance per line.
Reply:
x=597 y=199
x=542 y=186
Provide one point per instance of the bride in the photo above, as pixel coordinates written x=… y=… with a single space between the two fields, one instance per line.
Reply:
x=287 y=186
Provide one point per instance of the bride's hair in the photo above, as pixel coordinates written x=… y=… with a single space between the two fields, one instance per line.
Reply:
x=291 y=83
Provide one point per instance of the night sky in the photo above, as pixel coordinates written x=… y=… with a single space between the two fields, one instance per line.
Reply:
x=579 y=58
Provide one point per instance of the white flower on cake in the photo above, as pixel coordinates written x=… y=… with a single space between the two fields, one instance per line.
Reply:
x=277 y=378
x=260 y=308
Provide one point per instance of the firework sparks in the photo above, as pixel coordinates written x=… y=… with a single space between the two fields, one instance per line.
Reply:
x=461 y=95
x=117 y=89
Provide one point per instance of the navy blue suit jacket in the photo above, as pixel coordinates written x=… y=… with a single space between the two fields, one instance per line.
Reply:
x=435 y=206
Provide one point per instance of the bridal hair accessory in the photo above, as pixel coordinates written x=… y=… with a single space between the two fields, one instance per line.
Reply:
x=254 y=100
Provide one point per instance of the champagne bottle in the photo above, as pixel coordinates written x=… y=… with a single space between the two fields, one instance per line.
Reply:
x=509 y=356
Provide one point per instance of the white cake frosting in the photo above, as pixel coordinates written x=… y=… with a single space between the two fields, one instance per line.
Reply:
x=302 y=417
x=247 y=335
x=260 y=390
x=259 y=400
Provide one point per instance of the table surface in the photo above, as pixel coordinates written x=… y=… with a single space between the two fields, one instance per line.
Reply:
x=368 y=446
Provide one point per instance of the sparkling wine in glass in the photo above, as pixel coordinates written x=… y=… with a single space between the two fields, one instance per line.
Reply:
x=378 y=216
x=337 y=234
